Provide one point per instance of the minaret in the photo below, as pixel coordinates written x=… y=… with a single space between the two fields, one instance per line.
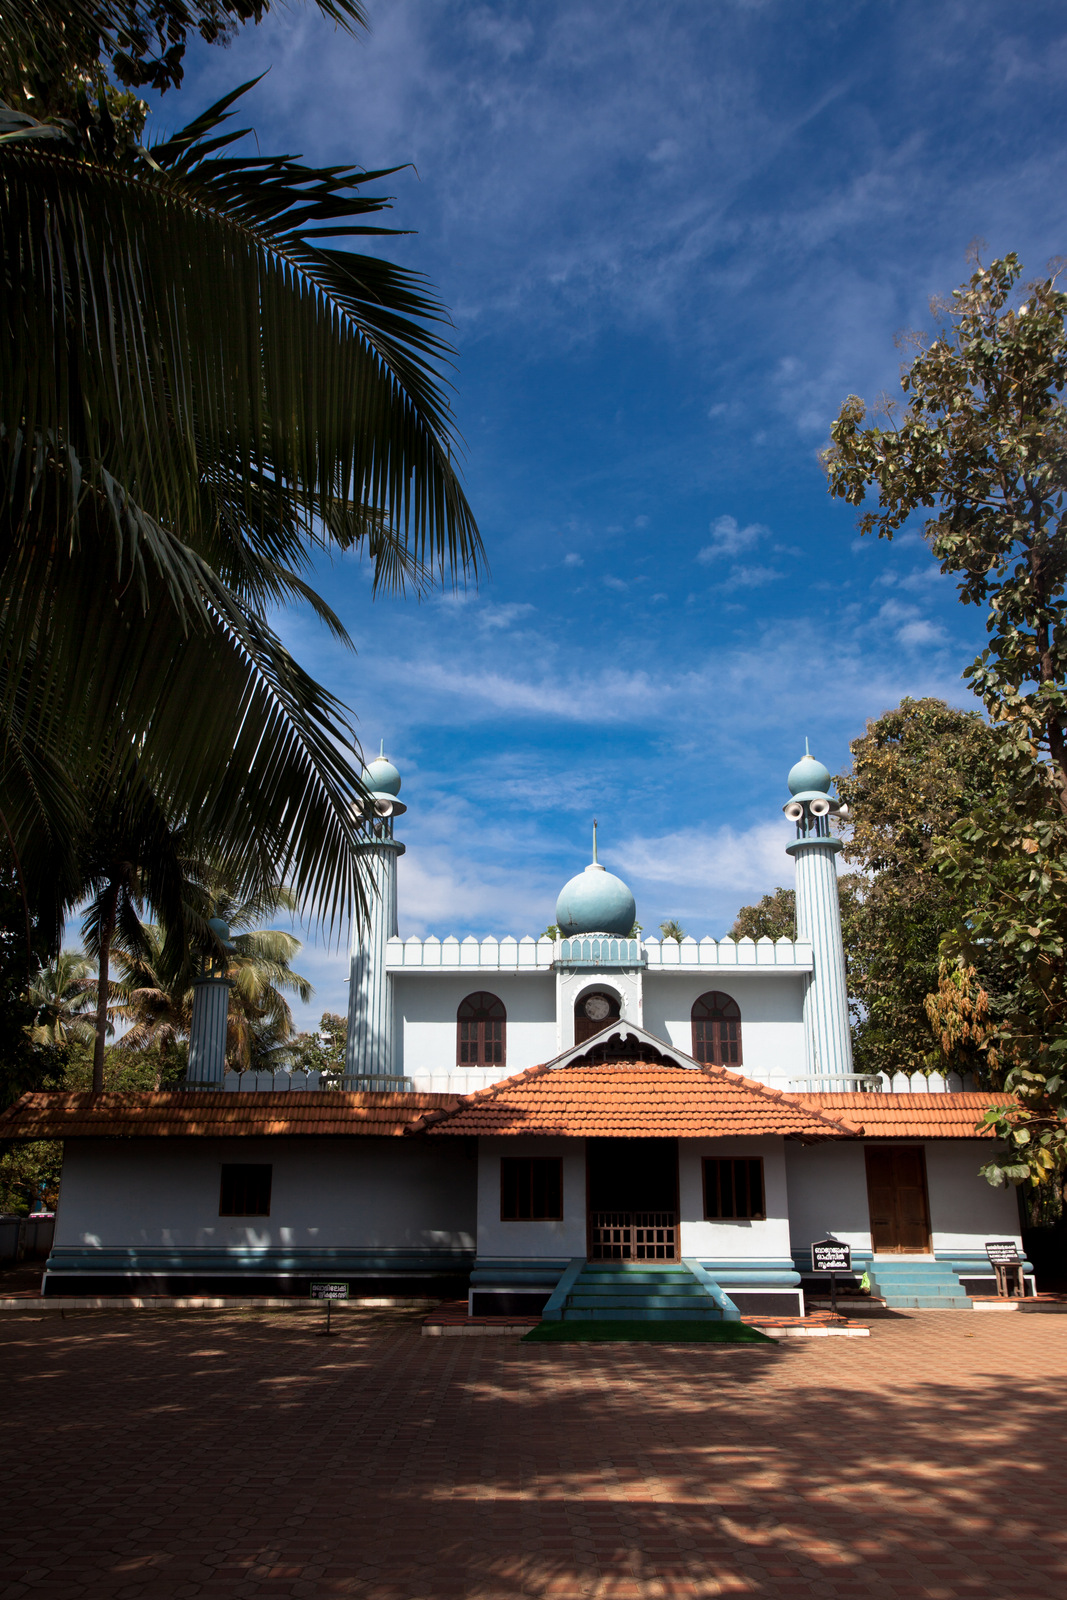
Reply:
x=206 y=1066
x=826 y=1029
x=369 y=1055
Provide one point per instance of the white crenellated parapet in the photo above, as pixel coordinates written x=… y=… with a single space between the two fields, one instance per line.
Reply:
x=541 y=955
x=708 y=954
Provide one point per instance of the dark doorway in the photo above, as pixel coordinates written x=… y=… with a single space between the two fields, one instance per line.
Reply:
x=897 y=1200
x=633 y=1199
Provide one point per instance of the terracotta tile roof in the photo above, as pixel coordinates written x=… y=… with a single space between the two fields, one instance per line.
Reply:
x=907 y=1116
x=204 y=1113
x=635 y=1099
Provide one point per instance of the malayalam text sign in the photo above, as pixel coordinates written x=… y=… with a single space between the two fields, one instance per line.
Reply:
x=830 y=1255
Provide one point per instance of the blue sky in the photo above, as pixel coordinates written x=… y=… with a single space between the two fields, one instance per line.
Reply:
x=673 y=238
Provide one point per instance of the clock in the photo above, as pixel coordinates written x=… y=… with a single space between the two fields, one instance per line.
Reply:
x=597 y=1007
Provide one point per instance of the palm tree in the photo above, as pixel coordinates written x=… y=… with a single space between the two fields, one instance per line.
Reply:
x=157 y=998
x=200 y=394
x=672 y=929
x=62 y=994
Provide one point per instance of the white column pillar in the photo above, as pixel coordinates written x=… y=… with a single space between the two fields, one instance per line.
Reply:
x=826 y=1025
x=369 y=1051
x=207 y=1035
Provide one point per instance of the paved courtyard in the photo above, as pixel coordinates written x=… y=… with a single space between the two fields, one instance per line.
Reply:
x=164 y=1454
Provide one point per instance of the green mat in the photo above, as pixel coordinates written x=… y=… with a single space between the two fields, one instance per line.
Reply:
x=648 y=1332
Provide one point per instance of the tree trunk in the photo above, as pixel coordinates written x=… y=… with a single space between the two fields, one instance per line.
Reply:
x=107 y=928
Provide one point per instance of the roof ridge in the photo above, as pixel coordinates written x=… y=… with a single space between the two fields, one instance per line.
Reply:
x=441 y=1113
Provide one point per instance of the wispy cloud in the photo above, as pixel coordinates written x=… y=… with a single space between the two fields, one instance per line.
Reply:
x=729 y=538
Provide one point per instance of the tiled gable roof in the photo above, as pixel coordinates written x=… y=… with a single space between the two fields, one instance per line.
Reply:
x=206 y=1113
x=908 y=1116
x=631 y=1099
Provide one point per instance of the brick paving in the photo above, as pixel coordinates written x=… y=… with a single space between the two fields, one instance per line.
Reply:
x=237 y=1453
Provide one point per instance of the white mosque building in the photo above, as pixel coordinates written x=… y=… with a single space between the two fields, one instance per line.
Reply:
x=592 y=1124
x=454 y=1016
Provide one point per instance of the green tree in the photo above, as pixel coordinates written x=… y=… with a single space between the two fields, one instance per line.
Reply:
x=157 y=995
x=672 y=929
x=323 y=1051
x=772 y=917
x=199 y=394
x=63 y=994
x=915 y=772
x=981 y=442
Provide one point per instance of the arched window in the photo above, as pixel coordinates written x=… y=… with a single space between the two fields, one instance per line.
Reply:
x=481 y=1031
x=593 y=1012
x=717 y=1030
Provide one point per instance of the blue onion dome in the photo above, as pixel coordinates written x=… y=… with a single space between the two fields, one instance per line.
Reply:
x=808 y=775
x=381 y=777
x=595 y=902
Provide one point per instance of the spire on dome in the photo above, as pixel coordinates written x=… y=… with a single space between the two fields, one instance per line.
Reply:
x=595 y=901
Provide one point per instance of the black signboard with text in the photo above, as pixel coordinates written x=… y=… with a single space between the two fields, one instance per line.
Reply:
x=830 y=1255
x=1003 y=1252
x=329 y=1292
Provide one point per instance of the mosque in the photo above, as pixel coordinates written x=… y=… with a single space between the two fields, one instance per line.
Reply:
x=594 y=1120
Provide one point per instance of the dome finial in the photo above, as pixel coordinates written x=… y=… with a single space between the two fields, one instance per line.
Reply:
x=594 y=838
x=807 y=748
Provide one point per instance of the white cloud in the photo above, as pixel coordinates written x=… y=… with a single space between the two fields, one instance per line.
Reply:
x=921 y=632
x=573 y=559
x=751 y=577
x=728 y=538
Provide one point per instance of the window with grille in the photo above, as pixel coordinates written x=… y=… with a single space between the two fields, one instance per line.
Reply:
x=531 y=1189
x=481 y=1031
x=245 y=1191
x=717 y=1030
x=733 y=1190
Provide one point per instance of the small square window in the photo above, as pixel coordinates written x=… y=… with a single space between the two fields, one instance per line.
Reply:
x=531 y=1189
x=245 y=1190
x=733 y=1189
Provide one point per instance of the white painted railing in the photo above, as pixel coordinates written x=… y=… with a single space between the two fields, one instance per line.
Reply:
x=883 y=1083
x=539 y=955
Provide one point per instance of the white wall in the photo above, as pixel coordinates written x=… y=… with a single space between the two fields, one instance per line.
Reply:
x=965 y=1210
x=426 y=1008
x=531 y=1239
x=325 y=1193
x=733 y=1241
x=772 y=1017
x=828 y=1194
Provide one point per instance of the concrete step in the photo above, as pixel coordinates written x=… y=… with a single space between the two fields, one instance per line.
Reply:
x=638 y=1314
x=651 y=1302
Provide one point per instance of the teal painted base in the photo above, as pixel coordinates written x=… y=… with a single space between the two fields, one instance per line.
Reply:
x=634 y=1291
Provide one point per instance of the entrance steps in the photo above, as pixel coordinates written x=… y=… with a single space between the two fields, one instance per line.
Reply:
x=918 y=1286
x=624 y=1291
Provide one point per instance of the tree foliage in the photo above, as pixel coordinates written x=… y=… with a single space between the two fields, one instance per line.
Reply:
x=980 y=448
x=772 y=917
x=203 y=389
x=915 y=772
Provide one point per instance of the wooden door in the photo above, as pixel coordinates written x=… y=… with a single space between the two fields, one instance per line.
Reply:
x=896 y=1197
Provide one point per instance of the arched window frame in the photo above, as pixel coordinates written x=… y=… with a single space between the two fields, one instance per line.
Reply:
x=584 y=1027
x=481 y=1031
x=716 y=1022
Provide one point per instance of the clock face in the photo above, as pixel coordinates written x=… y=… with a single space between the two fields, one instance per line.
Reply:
x=597 y=1007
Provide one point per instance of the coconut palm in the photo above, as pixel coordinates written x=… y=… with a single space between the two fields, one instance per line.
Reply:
x=63 y=995
x=201 y=393
x=157 y=998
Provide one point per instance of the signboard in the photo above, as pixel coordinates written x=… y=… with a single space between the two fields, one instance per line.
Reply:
x=329 y=1291
x=830 y=1255
x=1003 y=1253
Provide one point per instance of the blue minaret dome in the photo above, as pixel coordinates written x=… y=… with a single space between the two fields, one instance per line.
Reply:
x=808 y=776
x=595 y=901
x=381 y=777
